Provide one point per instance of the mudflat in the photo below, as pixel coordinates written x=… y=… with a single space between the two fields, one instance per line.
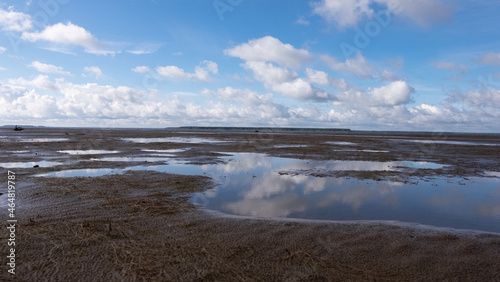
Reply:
x=140 y=225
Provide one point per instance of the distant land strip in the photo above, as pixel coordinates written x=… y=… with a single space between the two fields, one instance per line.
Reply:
x=211 y=128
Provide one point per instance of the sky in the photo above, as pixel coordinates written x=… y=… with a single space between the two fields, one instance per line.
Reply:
x=359 y=64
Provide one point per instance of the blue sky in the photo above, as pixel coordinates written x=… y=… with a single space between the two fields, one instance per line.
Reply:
x=359 y=64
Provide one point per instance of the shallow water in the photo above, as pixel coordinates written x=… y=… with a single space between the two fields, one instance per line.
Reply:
x=29 y=164
x=190 y=140
x=449 y=142
x=166 y=151
x=341 y=143
x=134 y=159
x=88 y=152
x=257 y=185
x=32 y=140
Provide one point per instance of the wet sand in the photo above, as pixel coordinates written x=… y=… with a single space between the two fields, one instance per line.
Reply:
x=140 y=225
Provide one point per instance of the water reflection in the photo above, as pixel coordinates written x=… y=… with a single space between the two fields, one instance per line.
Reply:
x=171 y=151
x=449 y=142
x=33 y=140
x=340 y=143
x=258 y=185
x=88 y=152
x=192 y=140
x=29 y=164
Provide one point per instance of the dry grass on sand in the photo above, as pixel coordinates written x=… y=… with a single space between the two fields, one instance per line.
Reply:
x=139 y=226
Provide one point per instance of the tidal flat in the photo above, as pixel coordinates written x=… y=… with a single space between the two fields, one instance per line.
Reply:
x=186 y=204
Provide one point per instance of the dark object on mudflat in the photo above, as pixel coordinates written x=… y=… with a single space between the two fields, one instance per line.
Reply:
x=36 y=166
x=17 y=128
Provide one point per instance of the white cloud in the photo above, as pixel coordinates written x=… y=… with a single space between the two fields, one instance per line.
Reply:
x=321 y=78
x=270 y=49
x=2 y=69
x=492 y=59
x=146 y=48
x=285 y=82
x=40 y=82
x=93 y=71
x=344 y=13
x=388 y=76
x=140 y=69
x=15 y=21
x=357 y=66
x=201 y=72
x=246 y=96
x=46 y=68
x=393 y=94
x=2 y=50
x=422 y=12
x=348 y=13
x=450 y=66
x=482 y=98
x=69 y=34
x=302 y=21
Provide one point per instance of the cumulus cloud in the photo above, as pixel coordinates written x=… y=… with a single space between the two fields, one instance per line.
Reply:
x=492 y=59
x=40 y=82
x=2 y=50
x=15 y=21
x=69 y=34
x=256 y=105
x=140 y=69
x=270 y=49
x=47 y=68
x=321 y=78
x=393 y=94
x=201 y=72
x=482 y=98
x=357 y=66
x=344 y=13
x=388 y=76
x=93 y=71
x=348 y=13
x=451 y=67
x=285 y=82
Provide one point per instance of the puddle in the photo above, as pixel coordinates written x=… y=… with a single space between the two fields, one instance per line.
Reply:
x=340 y=143
x=172 y=151
x=492 y=173
x=192 y=140
x=29 y=164
x=449 y=142
x=366 y=151
x=360 y=165
x=33 y=140
x=133 y=159
x=88 y=152
x=89 y=172
x=290 y=146
x=250 y=184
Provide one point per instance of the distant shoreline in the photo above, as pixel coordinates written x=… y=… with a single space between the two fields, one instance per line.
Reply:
x=264 y=129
